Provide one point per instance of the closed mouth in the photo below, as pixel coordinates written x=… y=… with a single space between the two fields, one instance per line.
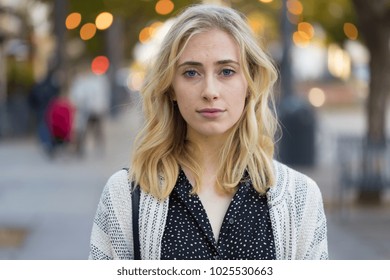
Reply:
x=210 y=110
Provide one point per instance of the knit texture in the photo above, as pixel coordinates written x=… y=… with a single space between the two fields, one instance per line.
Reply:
x=295 y=206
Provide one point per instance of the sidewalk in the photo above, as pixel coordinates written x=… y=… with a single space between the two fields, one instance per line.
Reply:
x=354 y=231
x=54 y=202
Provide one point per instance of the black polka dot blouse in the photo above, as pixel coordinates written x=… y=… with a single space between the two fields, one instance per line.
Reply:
x=245 y=234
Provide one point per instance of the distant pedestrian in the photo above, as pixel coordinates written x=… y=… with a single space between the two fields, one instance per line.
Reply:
x=42 y=93
x=59 y=118
x=203 y=162
x=90 y=94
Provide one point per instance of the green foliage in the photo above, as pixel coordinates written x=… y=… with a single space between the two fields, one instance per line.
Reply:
x=136 y=14
x=268 y=13
x=331 y=15
x=20 y=75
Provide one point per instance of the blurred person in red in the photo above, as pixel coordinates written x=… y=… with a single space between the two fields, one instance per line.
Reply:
x=59 y=118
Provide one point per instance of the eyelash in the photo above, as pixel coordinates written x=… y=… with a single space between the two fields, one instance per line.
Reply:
x=231 y=72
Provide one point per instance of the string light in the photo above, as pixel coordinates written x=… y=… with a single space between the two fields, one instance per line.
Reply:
x=73 y=20
x=104 y=20
x=307 y=28
x=317 y=97
x=100 y=65
x=164 y=7
x=295 y=7
x=351 y=31
x=87 y=31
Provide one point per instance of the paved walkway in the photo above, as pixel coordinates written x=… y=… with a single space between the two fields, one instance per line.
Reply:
x=54 y=201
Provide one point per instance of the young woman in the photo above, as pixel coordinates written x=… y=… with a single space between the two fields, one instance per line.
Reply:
x=210 y=188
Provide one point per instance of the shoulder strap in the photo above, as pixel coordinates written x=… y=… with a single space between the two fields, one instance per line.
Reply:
x=135 y=197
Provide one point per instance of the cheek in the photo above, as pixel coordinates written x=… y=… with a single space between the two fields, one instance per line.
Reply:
x=184 y=103
x=239 y=99
x=183 y=100
x=183 y=96
x=239 y=108
x=179 y=91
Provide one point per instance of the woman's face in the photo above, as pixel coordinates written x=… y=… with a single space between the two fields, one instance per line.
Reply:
x=209 y=85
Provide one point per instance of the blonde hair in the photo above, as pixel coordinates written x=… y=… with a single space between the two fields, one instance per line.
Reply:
x=161 y=146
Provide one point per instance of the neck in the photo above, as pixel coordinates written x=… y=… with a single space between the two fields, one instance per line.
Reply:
x=208 y=151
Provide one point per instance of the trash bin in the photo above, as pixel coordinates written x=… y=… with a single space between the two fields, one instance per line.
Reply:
x=298 y=124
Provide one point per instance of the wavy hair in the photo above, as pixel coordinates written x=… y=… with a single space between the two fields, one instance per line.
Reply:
x=161 y=146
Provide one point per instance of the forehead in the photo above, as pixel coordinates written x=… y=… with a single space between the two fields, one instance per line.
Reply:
x=212 y=44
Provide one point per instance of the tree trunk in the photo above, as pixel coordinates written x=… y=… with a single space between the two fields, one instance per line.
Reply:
x=59 y=62
x=114 y=49
x=374 y=24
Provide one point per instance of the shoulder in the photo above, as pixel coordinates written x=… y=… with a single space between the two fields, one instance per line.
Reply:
x=292 y=184
x=298 y=216
x=111 y=233
x=118 y=179
x=117 y=189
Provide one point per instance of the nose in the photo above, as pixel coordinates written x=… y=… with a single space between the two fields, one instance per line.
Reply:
x=210 y=90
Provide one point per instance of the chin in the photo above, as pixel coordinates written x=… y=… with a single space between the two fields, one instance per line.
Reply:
x=214 y=132
x=211 y=130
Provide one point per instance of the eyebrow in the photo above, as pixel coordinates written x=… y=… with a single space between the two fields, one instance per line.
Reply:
x=219 y=62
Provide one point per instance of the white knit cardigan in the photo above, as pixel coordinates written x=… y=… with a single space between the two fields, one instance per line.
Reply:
x=295 y=207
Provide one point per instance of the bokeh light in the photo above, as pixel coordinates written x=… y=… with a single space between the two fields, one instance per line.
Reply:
x=73 y=20
x=164 y=7
x=339 y=62
x=301 y=39
x=295 y=7
x=294 y=19
x=307 y=28
x=145 y=35
x=266 y=1
x=350 y=31
x=148 y=32
x=155 y=26
x=336 y=10
x=104 y=20
x=100 y=65
x=317 y=97
x=256 y=22
x=87 y=31
x=136 y=81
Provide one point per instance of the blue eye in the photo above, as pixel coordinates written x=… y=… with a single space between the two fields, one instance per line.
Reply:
x=227 y=72
x=190 y=73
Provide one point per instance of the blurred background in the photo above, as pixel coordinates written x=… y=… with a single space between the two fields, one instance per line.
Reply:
x=70 y=72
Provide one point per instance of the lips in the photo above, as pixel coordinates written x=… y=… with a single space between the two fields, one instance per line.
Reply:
x=211 y=113
x=210 y=110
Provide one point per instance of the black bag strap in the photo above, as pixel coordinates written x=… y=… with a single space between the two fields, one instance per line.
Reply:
x=135 y=196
